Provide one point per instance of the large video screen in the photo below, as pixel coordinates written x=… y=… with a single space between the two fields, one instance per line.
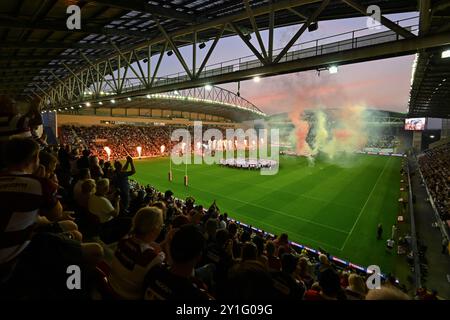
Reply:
x=415 y=124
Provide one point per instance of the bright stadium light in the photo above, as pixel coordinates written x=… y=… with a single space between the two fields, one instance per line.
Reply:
x=432 y=137
x=102 y=93
x=88 y=104
x=113 y=101
x=333 y=69
x=445 y=54
x=80 y=106
x=71 y=108
x=176 y=92
x=256 y=79
x=148 y=96
x=100 y=103
x=129 y=99
x=208 y=87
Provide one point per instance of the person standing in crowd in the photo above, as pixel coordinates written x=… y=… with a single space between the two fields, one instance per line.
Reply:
x=120 y=181
x=95 y=168
x=83 y=161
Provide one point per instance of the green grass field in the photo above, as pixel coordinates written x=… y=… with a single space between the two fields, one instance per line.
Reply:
x=332 y=205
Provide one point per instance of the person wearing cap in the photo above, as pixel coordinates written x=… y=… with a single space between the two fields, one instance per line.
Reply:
x=136 y=254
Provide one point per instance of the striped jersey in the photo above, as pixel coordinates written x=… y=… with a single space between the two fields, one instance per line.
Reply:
x=22 y=196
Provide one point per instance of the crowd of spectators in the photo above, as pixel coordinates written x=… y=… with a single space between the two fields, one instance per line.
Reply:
x=382 y=142
x=122 y=140
x=151 y=246
x=62 y=208
x=435 y=167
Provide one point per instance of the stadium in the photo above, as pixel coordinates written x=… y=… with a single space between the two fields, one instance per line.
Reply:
x=129 y=157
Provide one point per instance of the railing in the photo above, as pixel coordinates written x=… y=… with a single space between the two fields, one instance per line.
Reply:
x=336 y=43
x=417 y=273
x=331 y=44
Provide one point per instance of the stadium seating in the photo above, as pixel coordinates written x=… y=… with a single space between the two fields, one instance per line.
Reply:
x=229 y=249
x=435 y=167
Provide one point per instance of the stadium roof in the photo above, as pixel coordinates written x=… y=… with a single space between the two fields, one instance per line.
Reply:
x=430 y=87
x=376 y=115
x=214 y=101
x=38 y=50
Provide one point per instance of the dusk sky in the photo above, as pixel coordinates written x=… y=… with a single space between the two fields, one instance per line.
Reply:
x=382 y=84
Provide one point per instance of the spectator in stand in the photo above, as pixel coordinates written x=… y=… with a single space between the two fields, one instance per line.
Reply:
x=136 y=254
x=386 y=293
x=303 y=272
x=84 y=175
x=357 y=288
x=259 y=242
x=210 y=231
x=248 y=280
x=112 y=227
x=94 y=167
x=435 y=167
x=121 y=183
x=273 y=262
x=233 y=231
x=32 y=263
x=282 y=243
x=83 y=161
x=249 y=252
x=288 y=287
x=329 y=279
x=49 y=162
x=87 y=190
x=175 y=282
x=108 y=172
x=12 y=124
x=222 y=223
x=313 y=294
x=63 y=169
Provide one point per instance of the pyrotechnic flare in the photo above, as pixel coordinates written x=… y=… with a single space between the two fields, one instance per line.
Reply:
x=108 y=152
x=301 y=132
x=139 y=151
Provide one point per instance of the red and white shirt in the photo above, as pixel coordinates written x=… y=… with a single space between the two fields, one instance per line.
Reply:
x=22 y=196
